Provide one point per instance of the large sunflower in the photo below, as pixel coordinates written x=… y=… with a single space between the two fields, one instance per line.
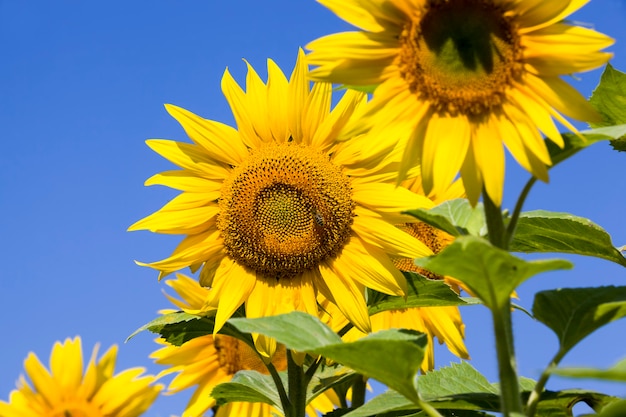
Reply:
x=278 y=209
x=65 y=391
x=207 y=361
x=458 y=78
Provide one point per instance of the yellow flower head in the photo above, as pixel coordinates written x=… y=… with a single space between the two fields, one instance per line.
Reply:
x=458 y=78
x=279 y=209
x=65 y=390
x=207 y=361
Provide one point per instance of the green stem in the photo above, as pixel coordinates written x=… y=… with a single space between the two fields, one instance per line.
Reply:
x=533 y=399
x=284 y=399
x=297 y=387
x=429 y=409
x=509 y=383
x=510 y=230
x=358 y=392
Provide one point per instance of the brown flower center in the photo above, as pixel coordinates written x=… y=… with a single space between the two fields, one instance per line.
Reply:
x=285 y=209
x=434 y=238
x=461 y=55
x=234 y=355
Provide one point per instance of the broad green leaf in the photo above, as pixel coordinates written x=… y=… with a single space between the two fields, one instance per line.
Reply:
x=573 y=144
x=458 y=378
x=609 y=97
x=392 y=357
x=615 y=409
x=561 y=403
x=336 y=377
x=615 y=373
x=574 y=313
x=248 y=386
x=492 y=274
x=180 y=327
x=456 y=217
x=545 y=231
x=619 y=144
x=296 y=330
x=423 y=292
x=174 y=320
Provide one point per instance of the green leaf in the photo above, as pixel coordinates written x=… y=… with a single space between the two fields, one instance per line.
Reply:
x=573 y=144
x=248 y=386
x=392 y=357
x=492 y=274
x=561 y=403
x=615 y=409
x=179 y=327
x=455 y=217
x=458 y=378
x=423 y=292
x=609 y=97
x=544 y=231
x=288 y=329
x=574 y=313
x=615 y=373
x=177 y=320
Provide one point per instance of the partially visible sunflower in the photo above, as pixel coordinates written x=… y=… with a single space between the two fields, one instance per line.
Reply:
x=279 y=209
x=207 y=361
x=65 y=391
x=458 y=78
x=445 y=322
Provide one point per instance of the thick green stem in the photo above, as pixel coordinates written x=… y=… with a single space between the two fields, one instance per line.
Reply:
x=284 y=399
x=358 y=392
x=502 y=324
x=297 y=388
x=509 y=384
x=533 y=399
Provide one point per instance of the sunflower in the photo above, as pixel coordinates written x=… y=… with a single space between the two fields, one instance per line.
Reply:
x=457 y=78
x=209 y=360
x=441 y=322
x=65 y=391
x=279 y=209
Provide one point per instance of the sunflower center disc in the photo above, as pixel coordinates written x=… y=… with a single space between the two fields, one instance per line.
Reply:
x=434 y=238
x=284 y=210
x=233 y=355
x=461 y=55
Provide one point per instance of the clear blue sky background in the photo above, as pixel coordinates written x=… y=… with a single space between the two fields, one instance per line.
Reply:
x=82 y=85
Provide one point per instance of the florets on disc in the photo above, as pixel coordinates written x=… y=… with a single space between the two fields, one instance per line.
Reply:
x=285 y=209
x=461 y=56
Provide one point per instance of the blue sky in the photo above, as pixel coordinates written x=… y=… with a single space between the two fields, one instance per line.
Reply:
x=83 y=85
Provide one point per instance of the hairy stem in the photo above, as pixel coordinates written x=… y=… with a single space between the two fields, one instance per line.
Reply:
x=297 y=387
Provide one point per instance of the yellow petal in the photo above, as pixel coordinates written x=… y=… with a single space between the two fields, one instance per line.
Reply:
x=232 y=285
x=219 y=141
